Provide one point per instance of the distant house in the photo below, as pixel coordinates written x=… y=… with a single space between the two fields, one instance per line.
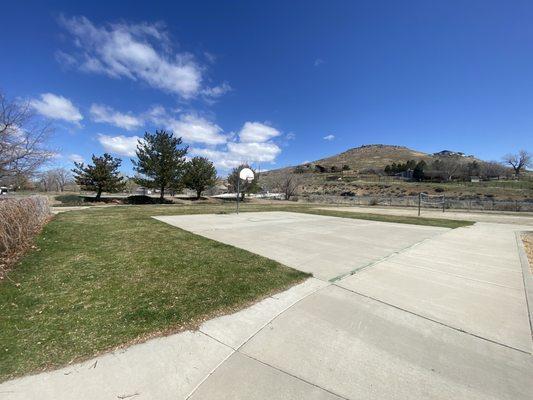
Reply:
x=141 y=190
x=3 y=190
x=407 y=174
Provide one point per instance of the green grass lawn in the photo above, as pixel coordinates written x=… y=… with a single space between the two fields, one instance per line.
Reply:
x=105 y=277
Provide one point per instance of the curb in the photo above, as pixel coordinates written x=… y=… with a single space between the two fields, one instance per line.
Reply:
x=526 y=275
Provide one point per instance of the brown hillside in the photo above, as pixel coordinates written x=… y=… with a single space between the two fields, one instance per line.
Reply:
x=374 y=156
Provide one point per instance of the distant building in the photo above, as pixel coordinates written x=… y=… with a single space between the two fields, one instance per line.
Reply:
x=141 y=190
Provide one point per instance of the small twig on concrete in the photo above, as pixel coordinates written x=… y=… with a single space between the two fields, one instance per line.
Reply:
x=125 y=396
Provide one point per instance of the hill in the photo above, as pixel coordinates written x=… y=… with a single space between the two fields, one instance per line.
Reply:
x=360 y=171
x=364 y=160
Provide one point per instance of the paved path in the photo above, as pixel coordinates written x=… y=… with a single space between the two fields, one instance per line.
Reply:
x=444 y=318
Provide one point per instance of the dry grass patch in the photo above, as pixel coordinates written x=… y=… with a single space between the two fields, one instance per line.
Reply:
x=528 y=245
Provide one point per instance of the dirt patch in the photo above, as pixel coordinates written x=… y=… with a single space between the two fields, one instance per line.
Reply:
x=528 y=244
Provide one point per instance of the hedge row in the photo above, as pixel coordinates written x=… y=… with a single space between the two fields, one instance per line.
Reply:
x=20 y=221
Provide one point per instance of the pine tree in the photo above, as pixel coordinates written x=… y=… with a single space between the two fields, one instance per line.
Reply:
x=245 y=187
x=200 y=174
x=160 y=161
x=102 y=176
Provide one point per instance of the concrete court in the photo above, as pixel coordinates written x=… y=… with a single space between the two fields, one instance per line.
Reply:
x=328 y=247
x=445 y=318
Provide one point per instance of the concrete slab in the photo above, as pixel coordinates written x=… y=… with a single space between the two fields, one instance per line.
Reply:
x=235 y=329
x=359 y=348
x=163 y=368
x=244 y=378
x=458 y=280
x=328 y=247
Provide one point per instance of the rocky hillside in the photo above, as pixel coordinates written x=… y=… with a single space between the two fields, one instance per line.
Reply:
x=363 y=160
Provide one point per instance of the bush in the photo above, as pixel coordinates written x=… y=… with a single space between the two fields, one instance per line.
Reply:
x=70 y=200
x=142 y=199
x=21 y=220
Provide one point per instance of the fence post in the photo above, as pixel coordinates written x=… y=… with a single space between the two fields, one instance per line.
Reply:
x=419 y=198
x=443 y=201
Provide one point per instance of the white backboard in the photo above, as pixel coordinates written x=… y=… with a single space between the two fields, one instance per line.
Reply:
x=246 y=174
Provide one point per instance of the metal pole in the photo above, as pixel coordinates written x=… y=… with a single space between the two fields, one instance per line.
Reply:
x=443 y=201
x=238 y=192
x=419 y=197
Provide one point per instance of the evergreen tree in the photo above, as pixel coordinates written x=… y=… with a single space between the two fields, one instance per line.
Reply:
x=160 y=161
x=200 y=173
x=102 y=176
x=245 y=187
x=418 y=171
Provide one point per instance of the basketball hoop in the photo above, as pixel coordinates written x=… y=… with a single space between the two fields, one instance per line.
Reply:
x=247 y=175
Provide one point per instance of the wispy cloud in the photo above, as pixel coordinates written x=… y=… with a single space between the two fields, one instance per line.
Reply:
x=191 y=127
x=329 y=137
x=121 y=145
x=56 y=107
x=76 y=158
x=252 y=144
x=318 y=62
x=140 y=52
x=102 y=113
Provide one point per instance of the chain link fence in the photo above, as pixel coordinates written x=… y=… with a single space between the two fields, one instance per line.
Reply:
x=452 y=203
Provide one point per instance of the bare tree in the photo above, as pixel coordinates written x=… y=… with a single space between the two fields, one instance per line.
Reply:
x=493 y=169
x=519 y=161
x=48 y=181
x=288 y=185
x=447 y=167
x=22 y=139
x=62 y=177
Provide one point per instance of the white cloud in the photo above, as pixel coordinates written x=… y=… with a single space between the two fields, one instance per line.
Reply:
x=76 y=158
x=122 y=145
x=290 y=136
x=252 y=145
x=101 y=113
x=190 y=127
x=140 y=52
x=329 y=137
x=56 y=107
x=217 y=91
x=257 y=132
x=222 y=159
x=254 y=152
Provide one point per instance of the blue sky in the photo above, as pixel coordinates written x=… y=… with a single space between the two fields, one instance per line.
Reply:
x=274 y=83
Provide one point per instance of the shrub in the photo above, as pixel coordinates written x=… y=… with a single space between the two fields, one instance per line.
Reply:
x=142 y=199
x=20 y=221
x=70 y=200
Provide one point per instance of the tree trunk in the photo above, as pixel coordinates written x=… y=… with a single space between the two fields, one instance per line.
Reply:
x=162 y=195
x=198 y=194
x=98 y=194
